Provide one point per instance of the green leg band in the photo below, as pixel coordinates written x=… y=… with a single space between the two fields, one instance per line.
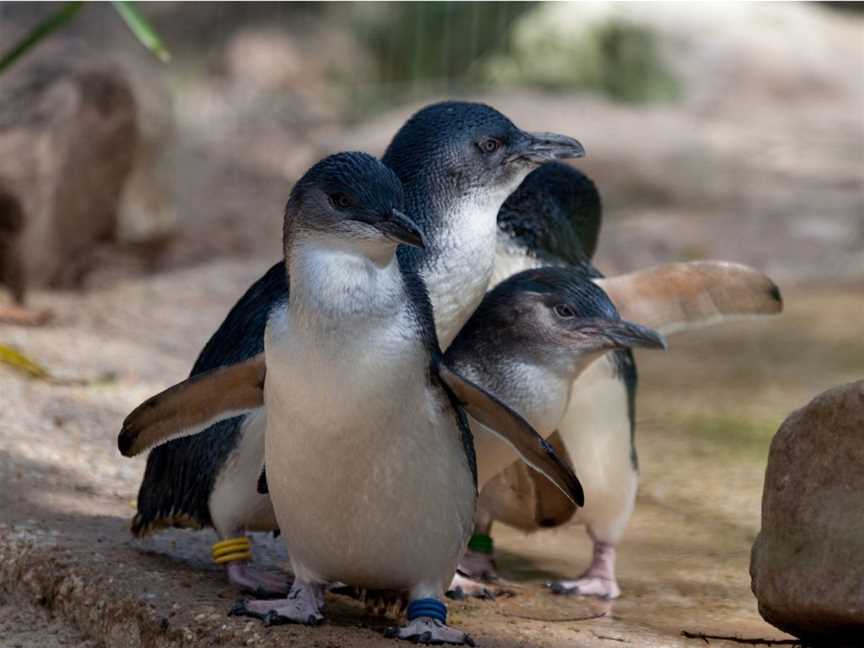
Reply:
x=481 y=543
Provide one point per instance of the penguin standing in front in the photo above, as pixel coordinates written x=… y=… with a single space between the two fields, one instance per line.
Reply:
x=458 y=162
x=554 y=219
x=370 y=461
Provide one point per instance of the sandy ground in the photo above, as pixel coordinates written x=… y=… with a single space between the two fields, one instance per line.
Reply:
x=25 y=625
x=70 y=571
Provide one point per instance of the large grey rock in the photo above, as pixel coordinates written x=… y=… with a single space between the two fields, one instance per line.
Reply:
x=807 y=564
x=68 y=136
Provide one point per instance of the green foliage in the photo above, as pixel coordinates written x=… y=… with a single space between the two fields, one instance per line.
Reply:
x=54 y=21
x=50 y=24
x=613 y=57
x=142 y=29
x=437 y=40
x=629 y=67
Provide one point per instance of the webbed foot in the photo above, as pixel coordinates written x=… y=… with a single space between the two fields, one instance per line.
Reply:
x=598 y=586
x=260 y=583
x=598 y=580
x=479 y=565
x=462 y=587
x=425 y=630
x=302 y=605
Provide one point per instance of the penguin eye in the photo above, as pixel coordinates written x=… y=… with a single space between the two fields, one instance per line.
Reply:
x=563 y=310
x=340 y=200
x=490 y=145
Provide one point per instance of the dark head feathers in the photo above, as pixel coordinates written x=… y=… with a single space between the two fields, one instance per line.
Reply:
x=437 y=131
x=557 y=284
x=555 y=211
x=508 y=314
x=362 y=175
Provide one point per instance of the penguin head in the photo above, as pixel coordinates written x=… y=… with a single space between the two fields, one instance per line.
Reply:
x=471 y=148
x=552 y=317
x=354 y=201
x=556 y=210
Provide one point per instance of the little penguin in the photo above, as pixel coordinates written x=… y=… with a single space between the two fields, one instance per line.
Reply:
x=458 y=162
x=554 y=219
x=370 y=461
x=529 y=339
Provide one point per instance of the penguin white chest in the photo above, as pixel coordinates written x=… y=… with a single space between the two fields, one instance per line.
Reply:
x=365 y=462
x=459 y=276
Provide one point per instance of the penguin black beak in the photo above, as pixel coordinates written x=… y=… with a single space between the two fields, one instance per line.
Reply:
x=620 y=334
x=396 y=226
x=546 y=147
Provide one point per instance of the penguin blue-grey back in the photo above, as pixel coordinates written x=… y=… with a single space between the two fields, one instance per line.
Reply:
x=556 y=213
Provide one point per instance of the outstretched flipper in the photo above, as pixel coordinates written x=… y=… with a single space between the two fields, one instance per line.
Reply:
x=513 y=430
x=194 y=405
x=677 y=296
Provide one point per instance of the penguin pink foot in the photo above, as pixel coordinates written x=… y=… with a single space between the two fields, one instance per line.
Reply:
x=480 y=565
x=259 y=583
x=302 y=605
x=462 y=587
x=598 y=580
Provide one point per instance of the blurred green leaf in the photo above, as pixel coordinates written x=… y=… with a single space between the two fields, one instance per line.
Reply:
x=50 y=24
x=142 y=29
x=16 y=360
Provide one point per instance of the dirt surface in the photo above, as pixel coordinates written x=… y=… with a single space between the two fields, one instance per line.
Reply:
x=22 y=626
x=707 y=411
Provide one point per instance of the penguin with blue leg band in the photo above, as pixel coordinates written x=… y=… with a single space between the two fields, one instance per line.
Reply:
x=458 y=162
x=370 y=460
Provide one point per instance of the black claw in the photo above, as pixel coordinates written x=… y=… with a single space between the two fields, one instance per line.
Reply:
x=558 y=587
x=469 y=640
x=392 y=632
x=456 y=594
x=241 y=608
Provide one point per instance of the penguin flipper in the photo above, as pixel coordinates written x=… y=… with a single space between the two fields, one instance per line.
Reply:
x=681 y=296
x=194 y=405
x=513 y=430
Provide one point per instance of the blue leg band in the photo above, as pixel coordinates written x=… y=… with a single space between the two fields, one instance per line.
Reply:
x=427 y=607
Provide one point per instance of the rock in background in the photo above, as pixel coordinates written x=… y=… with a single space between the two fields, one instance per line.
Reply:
x=806 y=566
x=68 y=137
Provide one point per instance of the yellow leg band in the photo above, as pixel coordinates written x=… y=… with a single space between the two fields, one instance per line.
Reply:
x=231 y=550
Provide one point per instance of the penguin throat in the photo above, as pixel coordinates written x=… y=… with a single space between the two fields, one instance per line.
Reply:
x=339 y=280
x=458 y=264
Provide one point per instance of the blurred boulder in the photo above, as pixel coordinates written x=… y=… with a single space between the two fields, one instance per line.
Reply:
x=68 y=136
x=806 y=566
x=270 y=60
